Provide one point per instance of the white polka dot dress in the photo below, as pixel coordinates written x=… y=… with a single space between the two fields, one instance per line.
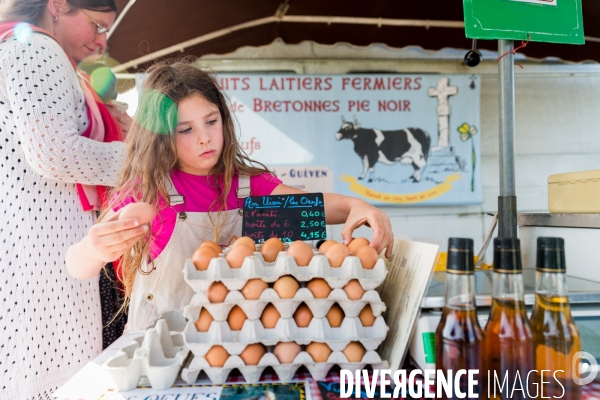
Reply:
x=50 y=323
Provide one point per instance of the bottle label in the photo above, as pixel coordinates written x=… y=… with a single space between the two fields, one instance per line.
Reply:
x=429 y=347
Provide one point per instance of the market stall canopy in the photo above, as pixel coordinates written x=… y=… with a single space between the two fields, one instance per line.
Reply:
x=149 y=29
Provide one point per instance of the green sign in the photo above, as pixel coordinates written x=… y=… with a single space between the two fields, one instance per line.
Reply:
x=554 y=21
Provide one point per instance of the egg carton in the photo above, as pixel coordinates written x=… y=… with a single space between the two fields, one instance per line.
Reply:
x=286 y=307
x=285 y=372
x=256 y=267
x=286 y=330
x=158 y=356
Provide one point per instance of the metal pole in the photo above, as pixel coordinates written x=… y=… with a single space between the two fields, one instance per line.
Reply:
x=507 y=201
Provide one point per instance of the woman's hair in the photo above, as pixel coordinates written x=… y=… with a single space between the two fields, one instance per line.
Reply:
x=32 y=10
x=152 y=152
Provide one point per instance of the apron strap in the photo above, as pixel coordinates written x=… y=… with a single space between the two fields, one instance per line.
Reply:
x=174 y=197
x=243 y=189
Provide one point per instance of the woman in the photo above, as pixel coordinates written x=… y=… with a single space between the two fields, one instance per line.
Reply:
x=52 y=135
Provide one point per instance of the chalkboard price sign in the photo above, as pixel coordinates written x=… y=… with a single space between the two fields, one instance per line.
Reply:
x=288 y=217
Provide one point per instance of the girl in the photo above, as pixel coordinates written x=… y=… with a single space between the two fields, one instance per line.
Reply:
x=184 y=158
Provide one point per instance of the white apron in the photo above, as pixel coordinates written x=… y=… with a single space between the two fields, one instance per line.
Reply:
x=164 y=289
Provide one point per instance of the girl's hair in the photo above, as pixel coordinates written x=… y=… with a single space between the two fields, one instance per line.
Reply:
x=152 y=152
x=32 y=10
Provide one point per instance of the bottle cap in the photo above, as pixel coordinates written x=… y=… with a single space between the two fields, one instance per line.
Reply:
x=507 y=255
x=550 y=255
x=460 y=256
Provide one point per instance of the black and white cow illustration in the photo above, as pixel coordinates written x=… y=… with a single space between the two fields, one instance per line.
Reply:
x=409 y=146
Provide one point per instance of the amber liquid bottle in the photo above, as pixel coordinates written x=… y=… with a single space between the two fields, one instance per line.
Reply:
x=459 y=338
x=508 y=340
x=555 y=336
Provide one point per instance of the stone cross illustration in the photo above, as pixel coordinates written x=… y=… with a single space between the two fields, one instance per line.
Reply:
x=443 y=91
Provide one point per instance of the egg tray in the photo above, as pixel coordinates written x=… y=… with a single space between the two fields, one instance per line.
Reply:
x=255 y=267
x=158 y=356
x=285 y=372
x=286 y=307
x=286 y=330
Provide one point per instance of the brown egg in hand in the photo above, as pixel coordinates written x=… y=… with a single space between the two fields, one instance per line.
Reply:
x=303 y=316
x=286 y=287
x=356 y=243
x=236 y=255
x=271 y=248
x=202 y=256
x=217 y=356
x=336 y=254
x=270 y=316
x=366 y=316
x=301 y=252
x=253 y=353
x=254 y=288
x=368 y=256
x=217 y=292
x=236 y=318
x=335 y=316
x=286 y=352
x=204 y=321
x=354 y=352
x=319 y=352
x=143 y=212
x=319 y=288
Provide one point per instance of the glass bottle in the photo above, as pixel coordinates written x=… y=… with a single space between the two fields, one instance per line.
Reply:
x=555 y=336
x=459 y=337
x=508 y=340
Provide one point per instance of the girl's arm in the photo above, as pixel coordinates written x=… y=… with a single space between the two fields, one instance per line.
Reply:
x=353 y=213
x=107 y=241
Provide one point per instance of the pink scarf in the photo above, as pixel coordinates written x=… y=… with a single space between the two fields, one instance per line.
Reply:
x=103 y=127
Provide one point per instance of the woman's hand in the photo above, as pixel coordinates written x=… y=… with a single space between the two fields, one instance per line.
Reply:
x=121 y=116
x=110 y=239
x=365 y=214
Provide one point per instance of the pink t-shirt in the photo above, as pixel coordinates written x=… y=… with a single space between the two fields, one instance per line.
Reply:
x=200 y=193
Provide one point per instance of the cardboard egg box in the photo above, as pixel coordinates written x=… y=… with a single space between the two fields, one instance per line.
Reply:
x=256 y=267
x=285 y=372
x=286 y=330
x=286 y=307
x=158 y=356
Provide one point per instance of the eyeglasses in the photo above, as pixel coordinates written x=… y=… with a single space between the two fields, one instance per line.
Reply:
x=100 y=29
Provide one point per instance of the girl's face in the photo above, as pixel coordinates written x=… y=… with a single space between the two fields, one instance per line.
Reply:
x=198 y=135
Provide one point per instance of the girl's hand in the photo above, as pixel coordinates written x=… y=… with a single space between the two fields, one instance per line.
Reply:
x=366 y=214
x=110 y=239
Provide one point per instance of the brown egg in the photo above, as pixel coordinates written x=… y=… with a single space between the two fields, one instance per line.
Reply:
x=354 y=290
x=356 y=243
x=303 y=316
x=253 y=353
x=301 y=252
x=368 y=256
x=271 y=248
x=319 y=352
x=202 y=256
x=336 y=254
x=212 y=245
x=245 y=241
x=326 y=245
x=236 y=318
x=254 y=288
x=354 y=352
x=286 y=352
x=204 y=321
x=335 y=316
x=236 y=255
x=217 y=292
x=216 y=356
x=286 y=287
x=319 y=288
x=366 y=316
x=143 y=212
x=270 y=316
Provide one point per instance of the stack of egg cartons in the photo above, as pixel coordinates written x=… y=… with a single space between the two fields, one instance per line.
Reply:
x=284 y=307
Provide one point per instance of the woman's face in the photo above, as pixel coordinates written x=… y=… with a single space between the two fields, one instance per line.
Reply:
x=77 y=32
x=198 y=135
